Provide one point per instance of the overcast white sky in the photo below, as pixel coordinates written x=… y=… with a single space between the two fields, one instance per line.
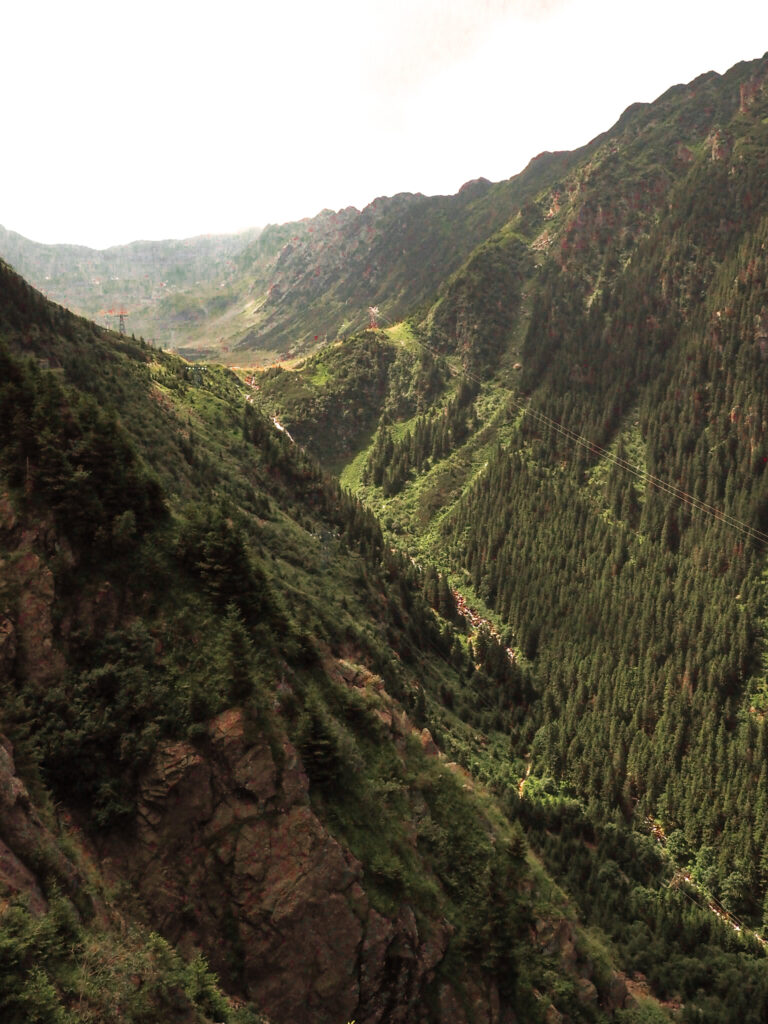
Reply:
x=170 y=118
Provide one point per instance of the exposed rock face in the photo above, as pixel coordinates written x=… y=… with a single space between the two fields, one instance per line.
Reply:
x=232 y=859
x=684 y=154
x=28 y=850
x=15 y=876
x=749 y=91
x=7 y=643
x=26 y=845
x=228 y=845
x=26 y=599
x=38 y=661
x=720 y=146
x=559 y=939
x=228 y=853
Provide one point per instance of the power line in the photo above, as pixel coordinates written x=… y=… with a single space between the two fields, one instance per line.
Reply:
x=649 y=478
x=694 y=503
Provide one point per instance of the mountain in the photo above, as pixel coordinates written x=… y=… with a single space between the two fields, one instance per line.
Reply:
x=260 y=296
x=498 y=754
x=289 y=289
x=587 y=464
x=317 y=279
x=168 y=288
x=220 y=797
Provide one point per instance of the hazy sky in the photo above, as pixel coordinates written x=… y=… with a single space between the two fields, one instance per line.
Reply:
x=163 y=118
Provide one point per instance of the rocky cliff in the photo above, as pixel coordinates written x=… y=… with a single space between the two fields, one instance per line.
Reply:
x=232 y=858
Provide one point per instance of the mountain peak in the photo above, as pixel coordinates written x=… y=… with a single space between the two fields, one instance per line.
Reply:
x=475 y=185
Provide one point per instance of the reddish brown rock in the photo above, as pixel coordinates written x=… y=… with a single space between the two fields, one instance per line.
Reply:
x=37 y=659
x=749 y=91
x=479 y=1004
x=7 y=513
x=228 y=844
x=7 y=643
x=16 y=878
x=615 y=996
x=553 y=1016
x=720 y=146
x=428 y=745
x=684 y=154
x=586 y=992
x=25 y=841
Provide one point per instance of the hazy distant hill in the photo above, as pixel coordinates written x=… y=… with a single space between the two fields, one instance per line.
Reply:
x=167 y=287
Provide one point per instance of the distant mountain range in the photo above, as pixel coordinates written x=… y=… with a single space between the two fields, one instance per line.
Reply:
x=261 y=295
x=285 y=290
x=167 y=287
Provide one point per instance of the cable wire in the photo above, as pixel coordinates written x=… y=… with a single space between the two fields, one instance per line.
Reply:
x=646 y=478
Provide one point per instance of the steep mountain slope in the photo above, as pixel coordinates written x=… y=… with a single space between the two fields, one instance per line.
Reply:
x=290 y=288
x=216 y=668
x=395 y=253
x=584 y=220
x=659 y=356
x=216 y=679
x=593 y=476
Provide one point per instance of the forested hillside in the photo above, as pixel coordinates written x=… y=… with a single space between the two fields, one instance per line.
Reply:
x=220 y=797
x=593 y=475
x=649 y=631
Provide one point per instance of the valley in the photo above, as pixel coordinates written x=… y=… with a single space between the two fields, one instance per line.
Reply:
x=420 y=676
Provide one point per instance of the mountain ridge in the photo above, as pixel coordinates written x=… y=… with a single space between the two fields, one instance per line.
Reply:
x=291 y=301
x=253 y=310
x=633 y=324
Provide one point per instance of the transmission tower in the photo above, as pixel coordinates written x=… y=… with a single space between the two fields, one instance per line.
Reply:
x=373 y=313
x=121 y=314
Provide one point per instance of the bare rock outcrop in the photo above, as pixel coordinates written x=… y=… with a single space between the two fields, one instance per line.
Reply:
x=559 y=939
x=27 y=847
x=228 y=844
x=26 y=599
x=749 y=91
x=37 y=658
